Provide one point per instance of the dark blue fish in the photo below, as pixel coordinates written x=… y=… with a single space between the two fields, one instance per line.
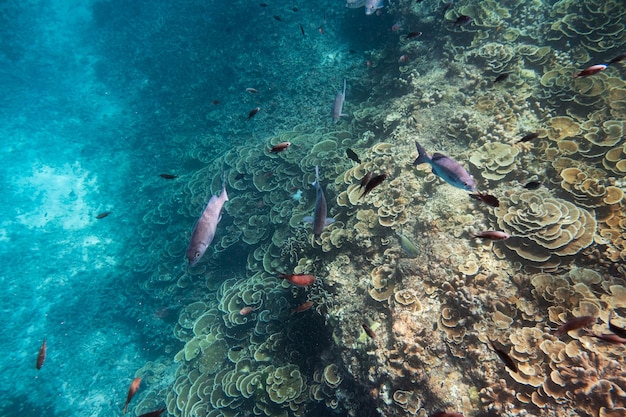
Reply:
x=461 y=20
x=532 y=185
x=446 y=168
x=618 y=58
x=501 y=77
x=319 y=219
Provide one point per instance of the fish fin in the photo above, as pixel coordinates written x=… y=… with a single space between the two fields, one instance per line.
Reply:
x=223 y=193
x=329 y=220
x=422 y=156
x=317 y=177
x=308 y=219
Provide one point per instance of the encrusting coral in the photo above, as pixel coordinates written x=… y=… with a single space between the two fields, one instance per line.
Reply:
x=414 y=330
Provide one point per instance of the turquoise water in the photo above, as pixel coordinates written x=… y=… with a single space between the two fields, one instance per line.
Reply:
x=93 y=94
x=99 y=98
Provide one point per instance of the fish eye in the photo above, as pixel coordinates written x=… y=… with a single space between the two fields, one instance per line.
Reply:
x=197 y=255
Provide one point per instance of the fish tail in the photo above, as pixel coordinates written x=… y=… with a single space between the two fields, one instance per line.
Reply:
x=224 y=185
x=422 y=156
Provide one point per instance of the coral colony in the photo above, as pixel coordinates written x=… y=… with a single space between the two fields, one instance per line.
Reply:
x=476 y=282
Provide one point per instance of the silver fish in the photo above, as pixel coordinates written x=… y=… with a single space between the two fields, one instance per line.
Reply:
x=319 y=219
x=338 y=103
x=446 y=168
x=204 y=230
x=372 y=5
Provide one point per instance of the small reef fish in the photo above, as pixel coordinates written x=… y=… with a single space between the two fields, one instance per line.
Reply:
x=134 y=386
x=373 y=183
x=594 y=69
x=321 y=30
x=319 y=219
x=155 y=413
x=263 y=4
x=444 y=414
x=412 y=35
x=168 y=176
x=508 y=361
x=461 y=20
x=103 y=215
x=253 y=112
x=41 y=357
x=446 y=168
x=366 y=178
x=532 y=185
x=407 y=246
x=620 y=331
x=352 y=155
x=501 y=77
x=608 y=337
x=278 y=18
x=280 y=147
x=528 y=137
x=299 y=280
x=246 y=310
x=486 y=198
x=618 y=58
x=574 y=324
x=302 y=307
x=252 y=90
x=336 y=111
x=302 y=30
x=372 y=5
x=215 y=102
x=491 y=235
x=368 y=331
x=204 y=230
x=447 y=6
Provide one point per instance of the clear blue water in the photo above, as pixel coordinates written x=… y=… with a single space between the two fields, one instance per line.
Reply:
x=99 y=97
x=92 y=94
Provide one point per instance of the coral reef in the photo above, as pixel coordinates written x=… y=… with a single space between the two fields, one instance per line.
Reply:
x=414 y=331
x=545 y=228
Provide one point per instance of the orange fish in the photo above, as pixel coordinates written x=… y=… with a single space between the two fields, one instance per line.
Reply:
x=302 y=307
x=134 y=386
x=444 y=414
x=300 y=280
x=574 y=324
x=246 y=310
x=280 y=147
x=491 y=235
x=41 y=358
x=594 y=69
x=608 y=337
